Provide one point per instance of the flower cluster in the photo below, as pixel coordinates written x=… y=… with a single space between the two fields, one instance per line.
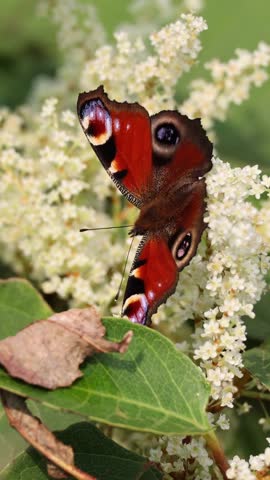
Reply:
x=230 y=84
x=238 y=255
x=187 y=455
x=219 y=285
x=46 y=196
x=128 y=72
x=176 y=454
x=249 y=470
x=147 y=16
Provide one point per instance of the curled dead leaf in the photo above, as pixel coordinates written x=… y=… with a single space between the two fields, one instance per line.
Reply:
x=48 y=352
x=60 y=456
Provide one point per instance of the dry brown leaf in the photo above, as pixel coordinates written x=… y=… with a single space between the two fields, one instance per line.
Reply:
x=60 y=456
x=48 y=352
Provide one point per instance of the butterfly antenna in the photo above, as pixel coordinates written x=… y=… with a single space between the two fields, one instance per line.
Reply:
x=123 y=272
x=104 y=228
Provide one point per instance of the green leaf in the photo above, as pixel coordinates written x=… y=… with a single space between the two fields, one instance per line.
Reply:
x=94 y=454
x=20 y=304
x=53 y=419
x=11 y=443
x=152 y=387
x=257 y=361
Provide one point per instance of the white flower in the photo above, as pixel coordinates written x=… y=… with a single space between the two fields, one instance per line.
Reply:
x=267 y=455
x=206 y=351
x=239 y=470
x=215 y=376
x=243 y=408
x=211 y=329
x=256 y=462
x=129 y=73
x=155 y=454
x=231 y=83
x=48 y=108
x=68 y=118
x=176 y=455
x=223 y=422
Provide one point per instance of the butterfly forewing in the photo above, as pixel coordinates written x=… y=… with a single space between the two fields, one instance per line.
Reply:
x=120 y=134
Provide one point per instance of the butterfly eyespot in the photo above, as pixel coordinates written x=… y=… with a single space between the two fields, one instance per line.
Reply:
x=183 y=247
x=167 y=134
x=96 y=121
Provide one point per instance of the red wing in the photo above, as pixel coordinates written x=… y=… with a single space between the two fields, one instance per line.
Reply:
x=152 y=279
x=181 y=150
x=154 y=274
x=120 y=134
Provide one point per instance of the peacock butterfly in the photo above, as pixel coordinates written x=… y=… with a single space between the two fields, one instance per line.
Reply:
x=158 y=164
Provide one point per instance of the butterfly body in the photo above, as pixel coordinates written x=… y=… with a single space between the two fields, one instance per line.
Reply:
x=159 y=215
x=158 y=163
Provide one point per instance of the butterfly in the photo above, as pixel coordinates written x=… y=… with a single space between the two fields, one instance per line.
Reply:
x=158 y=163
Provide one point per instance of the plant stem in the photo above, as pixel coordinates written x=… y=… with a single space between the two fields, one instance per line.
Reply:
x=217 y=453
x=257 y=395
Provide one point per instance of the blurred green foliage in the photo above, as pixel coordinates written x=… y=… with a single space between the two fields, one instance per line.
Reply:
x=27 y=49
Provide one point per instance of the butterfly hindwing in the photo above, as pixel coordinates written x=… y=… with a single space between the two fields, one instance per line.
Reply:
x=154 y=274
x=149 y=281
